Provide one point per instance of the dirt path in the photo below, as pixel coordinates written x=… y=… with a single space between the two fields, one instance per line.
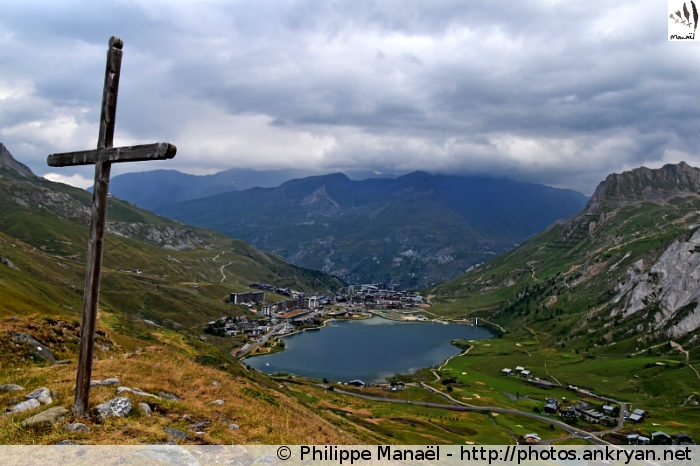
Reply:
x=678 y=347
x=435 y=371
x=223 y=274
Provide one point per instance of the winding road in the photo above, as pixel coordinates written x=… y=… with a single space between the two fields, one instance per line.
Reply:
x=460 y=406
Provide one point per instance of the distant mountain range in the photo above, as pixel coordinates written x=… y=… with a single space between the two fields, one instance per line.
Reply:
x=157 y=189
x=411 y=231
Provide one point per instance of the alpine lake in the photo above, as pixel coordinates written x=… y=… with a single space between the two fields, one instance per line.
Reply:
x=371 y=350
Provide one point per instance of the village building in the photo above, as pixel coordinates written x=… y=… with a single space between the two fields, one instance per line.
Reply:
x=254 y=297
x=569 y=413
x=661 y=438
x=637 y=416
x=551 y=408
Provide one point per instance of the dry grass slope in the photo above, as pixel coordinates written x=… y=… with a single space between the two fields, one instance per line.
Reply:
x=252 y=411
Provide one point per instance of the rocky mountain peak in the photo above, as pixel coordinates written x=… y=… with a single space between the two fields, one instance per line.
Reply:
x=8 y=162
x=645 y=185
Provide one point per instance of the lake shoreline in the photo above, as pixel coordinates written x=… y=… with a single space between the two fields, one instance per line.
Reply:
x=368 y=350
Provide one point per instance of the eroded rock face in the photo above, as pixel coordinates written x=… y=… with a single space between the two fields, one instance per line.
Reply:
x=167 y=237
x=671 y=285
x=645 y=184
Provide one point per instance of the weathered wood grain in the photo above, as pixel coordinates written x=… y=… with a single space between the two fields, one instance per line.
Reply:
x=140 y=153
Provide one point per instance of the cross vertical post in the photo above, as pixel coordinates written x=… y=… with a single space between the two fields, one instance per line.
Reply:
x=103 y=158
x=98 y=219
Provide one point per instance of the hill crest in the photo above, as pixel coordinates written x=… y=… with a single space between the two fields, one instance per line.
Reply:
x=645 y=185
x=8 y=162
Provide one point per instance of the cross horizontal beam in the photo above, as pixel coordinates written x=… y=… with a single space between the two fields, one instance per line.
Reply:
x=157 y=151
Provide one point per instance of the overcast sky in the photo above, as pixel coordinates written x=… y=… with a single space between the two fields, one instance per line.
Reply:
x=555 y=92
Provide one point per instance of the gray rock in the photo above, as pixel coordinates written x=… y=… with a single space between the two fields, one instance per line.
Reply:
x=62 y=362
x=176 y=434
x=25 y=406
x=77 y=427
x=51 y=415
x=234 y=426
x=11 y=387
x=38 y=349
x=43 y=395
x=135 y=391
x=116 y=407
x=145 y=409
x=8 y=262
x=200 y=425
x=672 y=284
x=105 y=383
x=169 y=396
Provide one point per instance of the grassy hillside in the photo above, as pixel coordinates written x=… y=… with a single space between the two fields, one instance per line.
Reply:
x=563 y=280
x=554 y=296
x=150 y=323
x=562 y=300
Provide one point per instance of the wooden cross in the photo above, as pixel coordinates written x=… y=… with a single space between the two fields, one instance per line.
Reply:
x=103 y=158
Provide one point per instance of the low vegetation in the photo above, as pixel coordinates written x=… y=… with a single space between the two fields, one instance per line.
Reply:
x=552 y=299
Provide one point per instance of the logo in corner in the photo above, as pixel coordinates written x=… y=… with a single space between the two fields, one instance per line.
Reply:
x=682 y=20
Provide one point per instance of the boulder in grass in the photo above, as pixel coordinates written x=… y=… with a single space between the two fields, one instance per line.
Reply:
x=25 y=406
x=39 y=350
x=104 y=383
x=77 y=427
x=145 y=409
x=43 y=395
x=47 y=417
x=176 y=434
x=116 y=407
x=11 y=387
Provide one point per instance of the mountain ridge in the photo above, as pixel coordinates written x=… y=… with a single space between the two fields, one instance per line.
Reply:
x=148 y=189
x=8 y=162
x=624 y=270
x=645 y=184
x=411 y=230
